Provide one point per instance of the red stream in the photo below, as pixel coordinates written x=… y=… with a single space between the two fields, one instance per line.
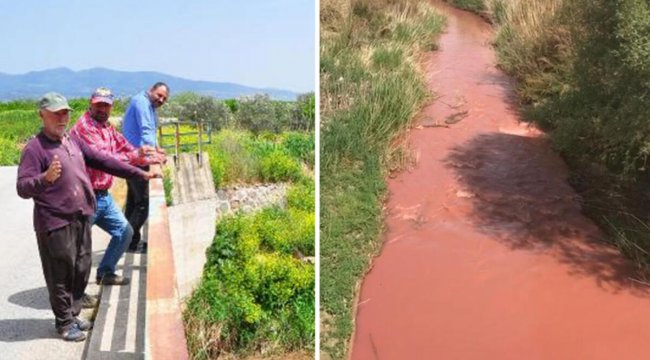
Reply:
x=486 y=253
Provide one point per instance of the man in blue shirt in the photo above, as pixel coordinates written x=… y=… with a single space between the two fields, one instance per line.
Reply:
x=139 y=128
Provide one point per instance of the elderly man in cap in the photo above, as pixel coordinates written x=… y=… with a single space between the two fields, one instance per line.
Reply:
x=94 y=129
x=52 y=171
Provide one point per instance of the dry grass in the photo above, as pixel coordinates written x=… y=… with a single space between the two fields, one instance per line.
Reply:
x=534 y=44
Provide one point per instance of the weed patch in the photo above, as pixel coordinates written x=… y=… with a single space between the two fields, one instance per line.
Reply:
x=257 y=292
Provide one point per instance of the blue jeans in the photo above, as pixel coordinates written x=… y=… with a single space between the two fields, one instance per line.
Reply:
x=110 y=219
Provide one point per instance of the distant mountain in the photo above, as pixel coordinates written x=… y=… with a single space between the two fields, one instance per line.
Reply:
x=74 y=84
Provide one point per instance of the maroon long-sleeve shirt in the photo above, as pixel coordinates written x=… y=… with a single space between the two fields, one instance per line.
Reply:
x=56 y=204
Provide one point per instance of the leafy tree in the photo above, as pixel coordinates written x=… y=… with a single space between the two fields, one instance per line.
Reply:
x=304 y=114
x=232 y=104
x=257 y=113
x=195 y=107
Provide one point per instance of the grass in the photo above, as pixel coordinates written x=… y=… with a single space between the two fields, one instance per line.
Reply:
x=617 y=204
x=472 y=5
x=20 y=121
x=19 y=124
x=370 y=90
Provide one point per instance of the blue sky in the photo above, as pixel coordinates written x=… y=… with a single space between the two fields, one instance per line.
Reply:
x=250 y=42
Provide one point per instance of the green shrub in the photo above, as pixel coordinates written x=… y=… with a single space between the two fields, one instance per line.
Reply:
x=300 y=146
x=253 y=295
x=217 y=167
x=256 y=114
x=287 y=231
x=278 y=166
x=302 y=195
x=304 y=115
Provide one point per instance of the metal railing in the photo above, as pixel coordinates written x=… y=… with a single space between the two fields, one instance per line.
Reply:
x=199 y=125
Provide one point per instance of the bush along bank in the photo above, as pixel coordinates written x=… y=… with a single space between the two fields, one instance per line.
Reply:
x=256 y=295
x=583 y=69
x=370 y=89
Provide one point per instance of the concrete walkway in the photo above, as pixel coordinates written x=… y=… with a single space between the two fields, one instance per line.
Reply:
x=120 y=322
x=26 y=321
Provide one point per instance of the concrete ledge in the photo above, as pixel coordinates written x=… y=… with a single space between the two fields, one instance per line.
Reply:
x=165 y=335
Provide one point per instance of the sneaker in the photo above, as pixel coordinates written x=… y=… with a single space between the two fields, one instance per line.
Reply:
x=112 y=279
x=89 y=301
x=83 y=325
x=73 y=333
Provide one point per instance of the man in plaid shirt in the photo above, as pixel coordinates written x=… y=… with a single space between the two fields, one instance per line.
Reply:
x=94 y=129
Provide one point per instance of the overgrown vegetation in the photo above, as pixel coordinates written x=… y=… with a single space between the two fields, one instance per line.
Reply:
x=584 y=75
x=240 y=157
x=370 y=89
x=257 y=290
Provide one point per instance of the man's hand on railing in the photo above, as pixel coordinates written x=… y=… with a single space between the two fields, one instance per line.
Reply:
x=154 y=173
x=161 y=154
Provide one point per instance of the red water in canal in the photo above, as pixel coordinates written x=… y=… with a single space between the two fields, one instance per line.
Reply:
x=486 y=253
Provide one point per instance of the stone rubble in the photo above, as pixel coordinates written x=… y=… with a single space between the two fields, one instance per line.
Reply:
x=249 y=199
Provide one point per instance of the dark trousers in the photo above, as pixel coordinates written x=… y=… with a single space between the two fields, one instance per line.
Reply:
x=137 y=206
x=66 y=260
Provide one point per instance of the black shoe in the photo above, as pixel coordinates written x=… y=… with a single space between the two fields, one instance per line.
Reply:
x=73 y=333
x=139 y=248
x=89 y=301
x=112 y=279
x=133 y=247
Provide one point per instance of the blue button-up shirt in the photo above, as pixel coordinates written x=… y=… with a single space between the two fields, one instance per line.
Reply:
x=140 y=121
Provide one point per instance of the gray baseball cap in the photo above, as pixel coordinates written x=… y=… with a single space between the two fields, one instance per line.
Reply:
x=53 y=102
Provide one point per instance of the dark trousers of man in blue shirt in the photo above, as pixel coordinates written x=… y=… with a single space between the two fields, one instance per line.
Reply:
x=137 y=208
